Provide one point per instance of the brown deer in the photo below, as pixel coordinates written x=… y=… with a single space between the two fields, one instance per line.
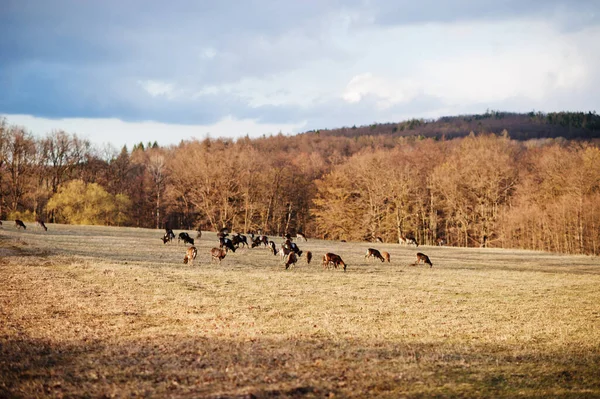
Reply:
x=373 y=253
x=386 y=256
x=218 y=254
x=190 y=255
x=308 y=257
x=333 y=259
x=40 y=223
x=19 y=224
x=421 y=257
x=290 y=259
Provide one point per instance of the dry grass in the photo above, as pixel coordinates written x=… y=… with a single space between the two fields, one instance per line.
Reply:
x=112 y=312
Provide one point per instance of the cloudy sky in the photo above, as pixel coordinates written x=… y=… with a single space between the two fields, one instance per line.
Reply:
x=125 y=71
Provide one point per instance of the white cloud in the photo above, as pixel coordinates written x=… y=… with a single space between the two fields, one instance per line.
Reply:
x=157 y=88
x=209 y=53
x=118 y=132
x=389 y=91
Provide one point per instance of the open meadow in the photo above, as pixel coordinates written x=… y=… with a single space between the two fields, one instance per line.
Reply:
x=89 y=311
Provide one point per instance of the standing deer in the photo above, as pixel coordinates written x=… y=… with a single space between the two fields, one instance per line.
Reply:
x=217 y=254
x=386 y=256
x=308 y=257
x=190 y=255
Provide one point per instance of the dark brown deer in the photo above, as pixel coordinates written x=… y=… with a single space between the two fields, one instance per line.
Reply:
x=40 y=223
x=190 y=255
x=421 y=257
x=373 y=253
x=217 y=254
x=308 y=257
x=185 y=237
x=290 y=259
x=19 y=224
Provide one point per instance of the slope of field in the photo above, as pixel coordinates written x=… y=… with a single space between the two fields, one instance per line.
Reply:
x=113 y=312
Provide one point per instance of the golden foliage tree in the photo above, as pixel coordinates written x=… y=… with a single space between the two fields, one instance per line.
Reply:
x=79 y=203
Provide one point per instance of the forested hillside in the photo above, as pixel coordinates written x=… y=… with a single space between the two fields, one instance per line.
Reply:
x=497 y=179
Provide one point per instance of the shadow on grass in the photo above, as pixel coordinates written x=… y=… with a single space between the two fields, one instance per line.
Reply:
x=200 y=367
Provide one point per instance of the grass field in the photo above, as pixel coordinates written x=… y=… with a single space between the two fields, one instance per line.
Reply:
x=113 y=312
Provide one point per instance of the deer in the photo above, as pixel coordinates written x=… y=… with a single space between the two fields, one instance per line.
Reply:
x=190 y=255
x=335 y=260
x=421 y=257
x=408 y=241
x=185 y=237
x=301 y=237
x=40 y=223
x=290 y=259
x=373 y=253
x=308 y=257
x=217 y=254
x=19 y=224
x=386 y=256
x=227 y=243
x=284 y=252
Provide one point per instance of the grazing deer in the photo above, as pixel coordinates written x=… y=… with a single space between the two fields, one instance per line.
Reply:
x=373 y=253
x=284 y=252
x=407 y=241
x=271 y=245
x=308 y=257
x=190 y=255
x=291 y=259
x=301 y=237
x=19 y=224
x=239 y=239
x=386 y=256
x=217 y=254
x=333 y=259
x=378 y=239
x=169 y=234
x=40 y=223
x=227 y=243
x=185 y=237
x=421 y=257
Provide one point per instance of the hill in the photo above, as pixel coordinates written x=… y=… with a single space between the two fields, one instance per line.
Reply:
x=532 y=125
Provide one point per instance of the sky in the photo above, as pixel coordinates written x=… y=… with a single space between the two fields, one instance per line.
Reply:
x=129 y=71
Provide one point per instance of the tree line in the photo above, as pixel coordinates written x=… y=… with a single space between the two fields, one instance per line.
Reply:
x=480 y=190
